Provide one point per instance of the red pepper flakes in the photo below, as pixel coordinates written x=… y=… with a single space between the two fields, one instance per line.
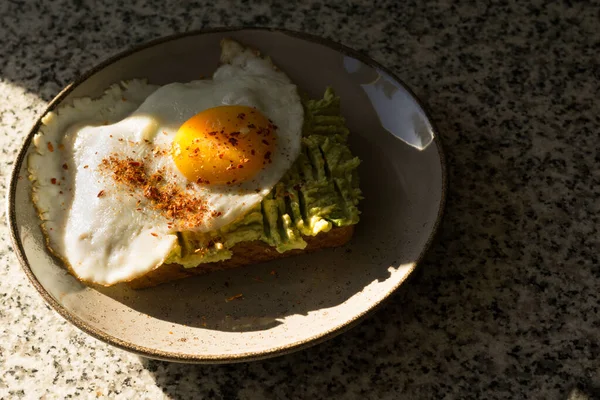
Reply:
x=53 y=181
x=153 y=234
x=50 y=147
x=86 y=166
x=100 y=193
x=265 y=142
x=241 y=115
x=237 y=296
x=65 y=166
x=168 y=198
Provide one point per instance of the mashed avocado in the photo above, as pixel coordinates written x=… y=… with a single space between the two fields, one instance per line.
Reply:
x=318 y=193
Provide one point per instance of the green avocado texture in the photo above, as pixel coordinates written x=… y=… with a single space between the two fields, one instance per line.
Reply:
x=319 y=192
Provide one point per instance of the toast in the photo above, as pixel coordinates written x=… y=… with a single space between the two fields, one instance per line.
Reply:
x=244 y=253
x=313 y=205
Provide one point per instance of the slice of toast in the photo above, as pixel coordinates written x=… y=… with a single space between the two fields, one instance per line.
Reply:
x=244 y=253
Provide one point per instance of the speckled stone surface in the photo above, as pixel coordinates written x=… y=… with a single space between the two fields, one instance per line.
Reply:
x=505 y=306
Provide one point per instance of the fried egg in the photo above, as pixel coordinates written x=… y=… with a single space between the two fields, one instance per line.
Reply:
x=115 y=179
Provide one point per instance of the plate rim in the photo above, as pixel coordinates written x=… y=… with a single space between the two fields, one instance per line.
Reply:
x=211 y=359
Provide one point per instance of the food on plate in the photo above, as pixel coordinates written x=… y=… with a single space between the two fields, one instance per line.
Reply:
x=147 y=184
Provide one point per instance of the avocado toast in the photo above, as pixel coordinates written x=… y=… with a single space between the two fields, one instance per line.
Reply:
x=149 y=183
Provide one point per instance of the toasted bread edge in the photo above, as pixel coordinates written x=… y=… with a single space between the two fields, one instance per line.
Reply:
x=244 y=253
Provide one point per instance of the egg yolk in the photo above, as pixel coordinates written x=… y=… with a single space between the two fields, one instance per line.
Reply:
x=224 y=145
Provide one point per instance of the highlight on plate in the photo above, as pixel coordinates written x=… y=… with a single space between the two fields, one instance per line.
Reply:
x=147 y=184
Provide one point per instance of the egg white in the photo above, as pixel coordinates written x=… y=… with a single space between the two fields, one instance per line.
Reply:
x=112 y=237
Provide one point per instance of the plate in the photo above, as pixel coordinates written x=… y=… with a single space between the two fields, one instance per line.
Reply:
x=281 y=306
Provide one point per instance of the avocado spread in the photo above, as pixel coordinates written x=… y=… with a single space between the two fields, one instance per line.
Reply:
x=319 y=192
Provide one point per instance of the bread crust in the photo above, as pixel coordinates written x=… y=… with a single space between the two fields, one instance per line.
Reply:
x=244 y=253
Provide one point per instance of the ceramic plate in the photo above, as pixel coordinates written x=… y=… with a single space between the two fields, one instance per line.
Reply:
x=285 y=305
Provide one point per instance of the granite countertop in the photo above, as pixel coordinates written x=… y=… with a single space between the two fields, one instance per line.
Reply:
x=506 y=303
